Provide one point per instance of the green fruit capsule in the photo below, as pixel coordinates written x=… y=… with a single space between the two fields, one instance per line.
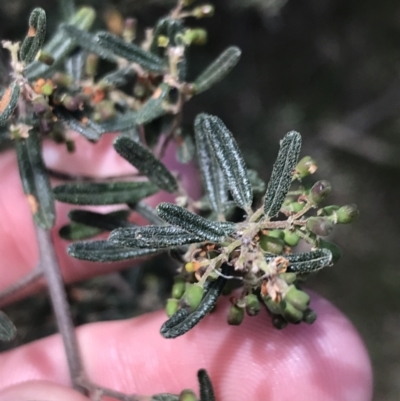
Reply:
x=235 y=315
x=279 y=322
x=319 y=225
x=305 y=167
x=276 y=234
x=290 y=278
x=296 y=207
x=297 y=298
x=178 y=288
x=292 y=314
x=347 y=214
x=252 y=305
x=171 y=307
x=309 y=316
x=335 y=250
x=328 y=210
x=187 y=395
x=273 y=307
x=291 y=238
x=192 y=297
x=319 y=191
x=271 y=244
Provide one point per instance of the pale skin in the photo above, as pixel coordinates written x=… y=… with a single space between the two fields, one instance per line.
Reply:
x=326 y=361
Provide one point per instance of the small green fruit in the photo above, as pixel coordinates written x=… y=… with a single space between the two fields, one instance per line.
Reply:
x=235 y=315
x=276 y=234
x=309 y=316
x=292 y=314
x=328 y=210
x=297 y=298
x=290 y=278
x=291 y=238
x=305 y=167
x=192 y=297
x=273 y=307
x=319 y=225
x=252 y=305
x=319 y=191
x=178 y=288
x=271 y=244
x=187 y=395
x=296 y=207
x=347 y=214
x=171 y=307
x=279 y=322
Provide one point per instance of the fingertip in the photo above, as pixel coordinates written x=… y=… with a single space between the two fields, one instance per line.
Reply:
x=40 y=391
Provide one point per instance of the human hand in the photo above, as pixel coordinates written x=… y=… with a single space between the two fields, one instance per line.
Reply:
x=325 y=361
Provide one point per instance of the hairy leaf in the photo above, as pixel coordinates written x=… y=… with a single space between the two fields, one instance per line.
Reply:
x=217 y=70
x=77 y=232
x=177 y=216
x=206 y=387
x=181 y=322
x=59 y=46
x=146 y=163
x=104 y=221
x=78 y=122
x=119 y=124
x=35 y=37
x=153 y=237
x=229 y=158
x=118 y=77
x=282 y=172
x=103 y=193
x=155 y=106
x=88 y=42
x=131 y=52
x=104 y=251
x=7 y=328
x=307 y=262
x=8 y=102
x=211 y=172
x=35 y=179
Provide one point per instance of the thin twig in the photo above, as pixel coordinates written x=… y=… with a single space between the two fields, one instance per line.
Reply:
x=20 y=285
x=52 y=274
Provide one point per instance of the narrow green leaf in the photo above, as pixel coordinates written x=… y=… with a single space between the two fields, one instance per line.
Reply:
x=119 y=77
x=131 y=52
x=206 y=387
x=177 y=216
x=110 y=193
x=282 y=172
x=217 y=70
x=307 y=262
x=104 y=251
x=67 y=8
x=120 y=124
x=229 y=158
x=104 y=221
x=77 y=232
x=78 y=122
x=88 y=42
x=74 y=65
x=59 y=46
x=146 y=163
x=8 y=102
x=147 y=212
x=35 y=37
x=35 y=179
x=211 y=172
x=155 y=106
x=7 y=328
x=181 y=322
x=152 y=237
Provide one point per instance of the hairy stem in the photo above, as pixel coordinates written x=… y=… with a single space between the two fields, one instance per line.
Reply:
x=52 y=274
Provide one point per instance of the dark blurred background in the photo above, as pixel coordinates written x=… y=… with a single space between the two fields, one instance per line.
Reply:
x=329 y=69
